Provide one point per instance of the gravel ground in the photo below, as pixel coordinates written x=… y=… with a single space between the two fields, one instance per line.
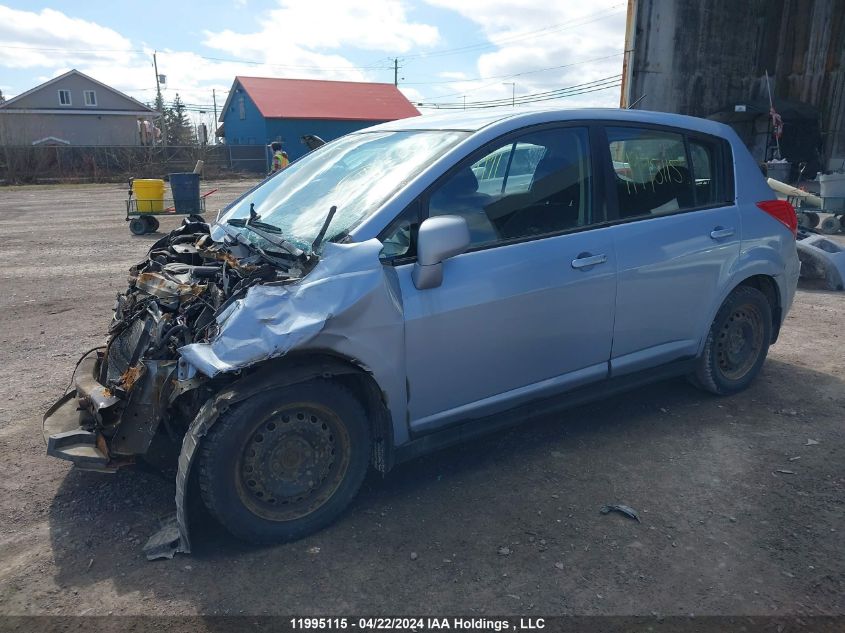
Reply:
x=741 y=498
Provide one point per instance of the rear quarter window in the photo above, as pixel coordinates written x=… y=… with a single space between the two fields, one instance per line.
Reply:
x=712 y=170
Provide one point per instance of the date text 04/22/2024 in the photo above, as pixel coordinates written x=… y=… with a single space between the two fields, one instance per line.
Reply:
x=419 y=624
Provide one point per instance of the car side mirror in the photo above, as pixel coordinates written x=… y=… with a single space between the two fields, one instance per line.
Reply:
x=439 y=238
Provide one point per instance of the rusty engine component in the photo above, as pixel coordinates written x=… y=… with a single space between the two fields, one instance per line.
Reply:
x=172 y=300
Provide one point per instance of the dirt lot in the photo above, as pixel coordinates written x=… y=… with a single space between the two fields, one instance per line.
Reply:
x=509 y=524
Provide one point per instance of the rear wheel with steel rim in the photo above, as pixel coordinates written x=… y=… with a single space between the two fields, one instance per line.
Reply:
x=285 y=463
x=737 y=343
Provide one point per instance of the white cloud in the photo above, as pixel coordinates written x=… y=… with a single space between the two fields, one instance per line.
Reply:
x=451 y=74
x=296 y=39
x=329 y=24
x=24 y=32
x=528 y=36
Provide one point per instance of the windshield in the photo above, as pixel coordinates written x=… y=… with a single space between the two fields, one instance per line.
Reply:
x=356 y=173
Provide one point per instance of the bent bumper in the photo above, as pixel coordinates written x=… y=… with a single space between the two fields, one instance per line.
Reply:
x=67 y=439
x=70 y=426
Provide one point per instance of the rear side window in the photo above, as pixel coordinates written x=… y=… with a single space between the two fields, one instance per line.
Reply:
x=652 y=173
x=659 y=172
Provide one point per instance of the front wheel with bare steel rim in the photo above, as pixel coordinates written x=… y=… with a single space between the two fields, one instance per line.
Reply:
x=737 y=343
x=285 y=463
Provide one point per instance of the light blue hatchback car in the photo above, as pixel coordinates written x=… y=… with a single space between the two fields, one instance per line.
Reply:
x=420 y=282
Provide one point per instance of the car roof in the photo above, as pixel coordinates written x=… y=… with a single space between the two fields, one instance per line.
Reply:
x=474 y=121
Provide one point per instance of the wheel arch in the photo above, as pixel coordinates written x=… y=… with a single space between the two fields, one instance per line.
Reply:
x=769 y=287
x=762 y=281
x=288 y=370
x=299 y=367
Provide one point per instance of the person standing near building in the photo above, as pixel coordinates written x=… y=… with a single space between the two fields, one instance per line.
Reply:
x=280 y=158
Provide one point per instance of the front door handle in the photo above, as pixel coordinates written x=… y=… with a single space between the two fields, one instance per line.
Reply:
x=721 y=232
x=586 y=260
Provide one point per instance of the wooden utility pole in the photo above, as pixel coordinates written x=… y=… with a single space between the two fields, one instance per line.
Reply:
x=396 y=71
x=512 y=84
x=625 y=100
x=214 y=131
x=155 y=68
x=159 y=100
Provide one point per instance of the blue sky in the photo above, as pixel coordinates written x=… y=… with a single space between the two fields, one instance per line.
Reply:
x=450 y=51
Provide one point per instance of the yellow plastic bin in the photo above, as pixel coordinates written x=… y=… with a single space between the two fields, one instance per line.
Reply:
x=149 y=194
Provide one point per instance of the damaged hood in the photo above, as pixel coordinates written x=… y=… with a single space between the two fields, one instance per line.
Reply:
x=270 y=320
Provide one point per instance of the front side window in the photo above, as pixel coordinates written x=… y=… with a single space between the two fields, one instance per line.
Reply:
x=64 y=97
x=652 y=174
x=90 y=97
x=241 y=108
x=535 y=184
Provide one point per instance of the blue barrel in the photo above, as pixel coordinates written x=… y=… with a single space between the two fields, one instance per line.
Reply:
x=186 y=192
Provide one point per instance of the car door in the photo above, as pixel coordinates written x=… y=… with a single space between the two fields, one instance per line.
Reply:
x=528 y=310
x=677 y=237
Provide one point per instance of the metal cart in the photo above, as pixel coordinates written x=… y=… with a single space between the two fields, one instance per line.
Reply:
x=141 y=214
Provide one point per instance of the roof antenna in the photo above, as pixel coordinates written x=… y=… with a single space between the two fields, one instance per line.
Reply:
x=636 y=102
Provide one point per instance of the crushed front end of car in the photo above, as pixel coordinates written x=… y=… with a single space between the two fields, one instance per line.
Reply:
x=137 y=390
x=274 y=295
x=202 y=327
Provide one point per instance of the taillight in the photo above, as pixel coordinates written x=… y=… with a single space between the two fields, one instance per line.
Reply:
x=783 y=212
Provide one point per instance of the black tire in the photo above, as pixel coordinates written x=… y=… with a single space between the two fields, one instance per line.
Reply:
x=809 y=219
x=151 y=223
x=830 y=225
x=737 y=343
x=259 y=464
x=137 y=226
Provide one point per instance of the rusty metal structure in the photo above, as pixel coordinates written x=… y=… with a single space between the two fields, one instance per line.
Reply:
x=702 y=58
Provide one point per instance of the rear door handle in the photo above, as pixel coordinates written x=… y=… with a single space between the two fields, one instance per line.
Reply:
x=586 y=260
x=720 y=232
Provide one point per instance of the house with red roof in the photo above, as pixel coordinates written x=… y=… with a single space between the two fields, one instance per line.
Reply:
x=260 y=110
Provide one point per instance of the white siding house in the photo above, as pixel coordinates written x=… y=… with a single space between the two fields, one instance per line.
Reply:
x=72 y=109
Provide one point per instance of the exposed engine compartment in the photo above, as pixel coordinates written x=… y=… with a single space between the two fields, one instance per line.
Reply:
x=172 y=300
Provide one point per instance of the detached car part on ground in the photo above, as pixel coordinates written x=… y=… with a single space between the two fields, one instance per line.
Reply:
x=395 y=291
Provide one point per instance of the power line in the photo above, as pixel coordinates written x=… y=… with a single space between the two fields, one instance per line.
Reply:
x=214 y=59
x=487 y=85
x=522 y=74
x=254 y=62
x=470 y=106
x=73 y=50
x=548 y=30
x=604 y=81
x=550 y=95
